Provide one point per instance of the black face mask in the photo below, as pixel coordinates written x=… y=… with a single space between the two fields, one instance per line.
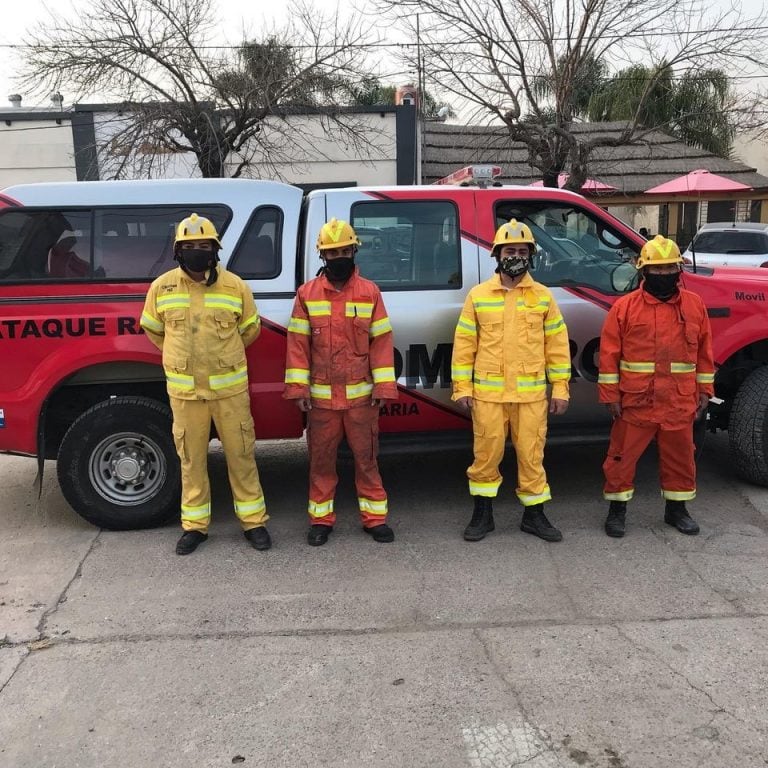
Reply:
x=514 y=266
x=661 y=287
x=196 y=259
x=340 y=269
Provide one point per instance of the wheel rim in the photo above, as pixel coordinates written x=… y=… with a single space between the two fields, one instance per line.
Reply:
x=127 y=468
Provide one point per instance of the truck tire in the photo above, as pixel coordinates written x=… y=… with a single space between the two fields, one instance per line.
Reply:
x=117 y=465
x=748 y=428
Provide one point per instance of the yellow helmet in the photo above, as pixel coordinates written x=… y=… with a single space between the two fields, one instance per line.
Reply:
x=336 y=234
x=660 y=250
x=195 y=228
x=513 y=233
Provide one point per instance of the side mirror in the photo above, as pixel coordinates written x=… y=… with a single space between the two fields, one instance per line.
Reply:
x=623 y=278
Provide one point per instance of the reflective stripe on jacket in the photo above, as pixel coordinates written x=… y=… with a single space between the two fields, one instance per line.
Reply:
x=203 y=331
x=509 y=343
x=655 y=357
x=340 y=350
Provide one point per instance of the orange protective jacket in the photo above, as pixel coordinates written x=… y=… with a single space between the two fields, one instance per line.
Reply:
x=656 y=357
x=340 y=351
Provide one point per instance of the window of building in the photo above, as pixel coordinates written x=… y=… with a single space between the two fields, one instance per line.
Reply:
x=257 y=255
x=409 y=244
x=573 y=247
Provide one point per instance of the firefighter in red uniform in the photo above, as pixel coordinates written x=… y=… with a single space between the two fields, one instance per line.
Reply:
x=656 y=377
x=339 y=369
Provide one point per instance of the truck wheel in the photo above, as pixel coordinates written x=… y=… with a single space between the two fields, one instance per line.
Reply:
x=117 y=464
x=748 y=428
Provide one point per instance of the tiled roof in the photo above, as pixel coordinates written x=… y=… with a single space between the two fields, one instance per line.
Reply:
x=630 y=169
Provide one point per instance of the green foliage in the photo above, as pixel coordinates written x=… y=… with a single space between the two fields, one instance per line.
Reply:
x=575 y=88
x=692 y=107
x=371 y=92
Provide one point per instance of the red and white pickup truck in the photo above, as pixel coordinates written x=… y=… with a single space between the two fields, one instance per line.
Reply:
x=80 y=383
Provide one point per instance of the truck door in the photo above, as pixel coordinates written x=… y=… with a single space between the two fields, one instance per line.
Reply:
x=415 y=248
x=587 y=258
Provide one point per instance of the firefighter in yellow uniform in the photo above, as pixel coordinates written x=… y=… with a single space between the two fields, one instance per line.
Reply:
x=202 y=318
x=510 y=340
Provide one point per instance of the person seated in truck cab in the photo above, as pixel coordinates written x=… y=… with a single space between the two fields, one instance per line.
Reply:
x=63 y=261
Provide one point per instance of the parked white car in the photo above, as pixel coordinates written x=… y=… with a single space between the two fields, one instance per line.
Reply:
x=729 y=244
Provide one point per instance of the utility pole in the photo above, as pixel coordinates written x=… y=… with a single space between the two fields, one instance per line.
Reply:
x=419 y=102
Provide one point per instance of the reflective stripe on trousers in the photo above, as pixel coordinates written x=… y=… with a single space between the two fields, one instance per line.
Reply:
x=526 y=423
x=677 y=468
x=191 y=433
x=325 y=429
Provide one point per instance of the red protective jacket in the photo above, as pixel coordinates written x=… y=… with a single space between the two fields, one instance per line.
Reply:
x=340 y=349
x=656 y=357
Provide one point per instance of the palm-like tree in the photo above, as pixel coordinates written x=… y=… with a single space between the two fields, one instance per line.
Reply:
x=692 y=107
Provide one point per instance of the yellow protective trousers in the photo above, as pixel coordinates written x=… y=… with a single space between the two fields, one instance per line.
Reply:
x=192 y=433
x=526 y=424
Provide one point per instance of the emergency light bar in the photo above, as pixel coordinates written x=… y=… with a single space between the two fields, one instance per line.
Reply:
x=482 y=175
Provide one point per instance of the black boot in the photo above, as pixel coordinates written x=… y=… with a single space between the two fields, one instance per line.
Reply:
x=318 y=535
x=535 y=522
x=259 y=537
x=615 y=522
x=676 y=515
x=189 y=542
x=482 y=519
x=381 y=533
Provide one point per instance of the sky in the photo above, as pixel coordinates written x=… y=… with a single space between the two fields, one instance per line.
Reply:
x=236 y=17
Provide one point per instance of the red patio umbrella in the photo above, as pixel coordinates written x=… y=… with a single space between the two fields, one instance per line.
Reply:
x=590 y=185
x=697 y=182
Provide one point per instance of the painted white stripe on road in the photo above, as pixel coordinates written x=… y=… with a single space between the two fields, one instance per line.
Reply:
x=502 y=745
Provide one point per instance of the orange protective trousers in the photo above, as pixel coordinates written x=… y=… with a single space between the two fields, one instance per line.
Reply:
x=325 y=429
x=677 y=468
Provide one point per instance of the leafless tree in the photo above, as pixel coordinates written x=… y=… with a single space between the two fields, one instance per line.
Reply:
x=523 y=62
x=239 y=109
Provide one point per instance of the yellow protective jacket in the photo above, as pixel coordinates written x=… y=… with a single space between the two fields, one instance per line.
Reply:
x=509 y=342
x=203 y=331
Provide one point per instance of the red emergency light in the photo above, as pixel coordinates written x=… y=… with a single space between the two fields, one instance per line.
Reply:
x=472 y=174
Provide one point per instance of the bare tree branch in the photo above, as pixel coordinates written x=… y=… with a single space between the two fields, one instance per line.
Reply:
x=226 y=105
x=521 y=63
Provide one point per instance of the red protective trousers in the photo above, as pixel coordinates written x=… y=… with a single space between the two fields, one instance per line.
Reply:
x=677 y=469
x=325 y=429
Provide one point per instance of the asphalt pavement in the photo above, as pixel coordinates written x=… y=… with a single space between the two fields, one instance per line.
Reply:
x=644 y=652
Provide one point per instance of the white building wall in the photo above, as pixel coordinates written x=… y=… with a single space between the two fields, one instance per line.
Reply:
x=35 y=150
x=752 y=150
x=300 y=149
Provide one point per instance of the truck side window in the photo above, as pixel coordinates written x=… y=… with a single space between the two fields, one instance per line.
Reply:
x=137 y=242
x=257 y=255
x=573 y=247
x=45 y=245
x=409 y=244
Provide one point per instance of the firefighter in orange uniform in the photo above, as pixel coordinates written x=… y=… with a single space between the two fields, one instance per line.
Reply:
x=510 y=340
x=340 y=369
x=656 y=377
x=203 y=317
